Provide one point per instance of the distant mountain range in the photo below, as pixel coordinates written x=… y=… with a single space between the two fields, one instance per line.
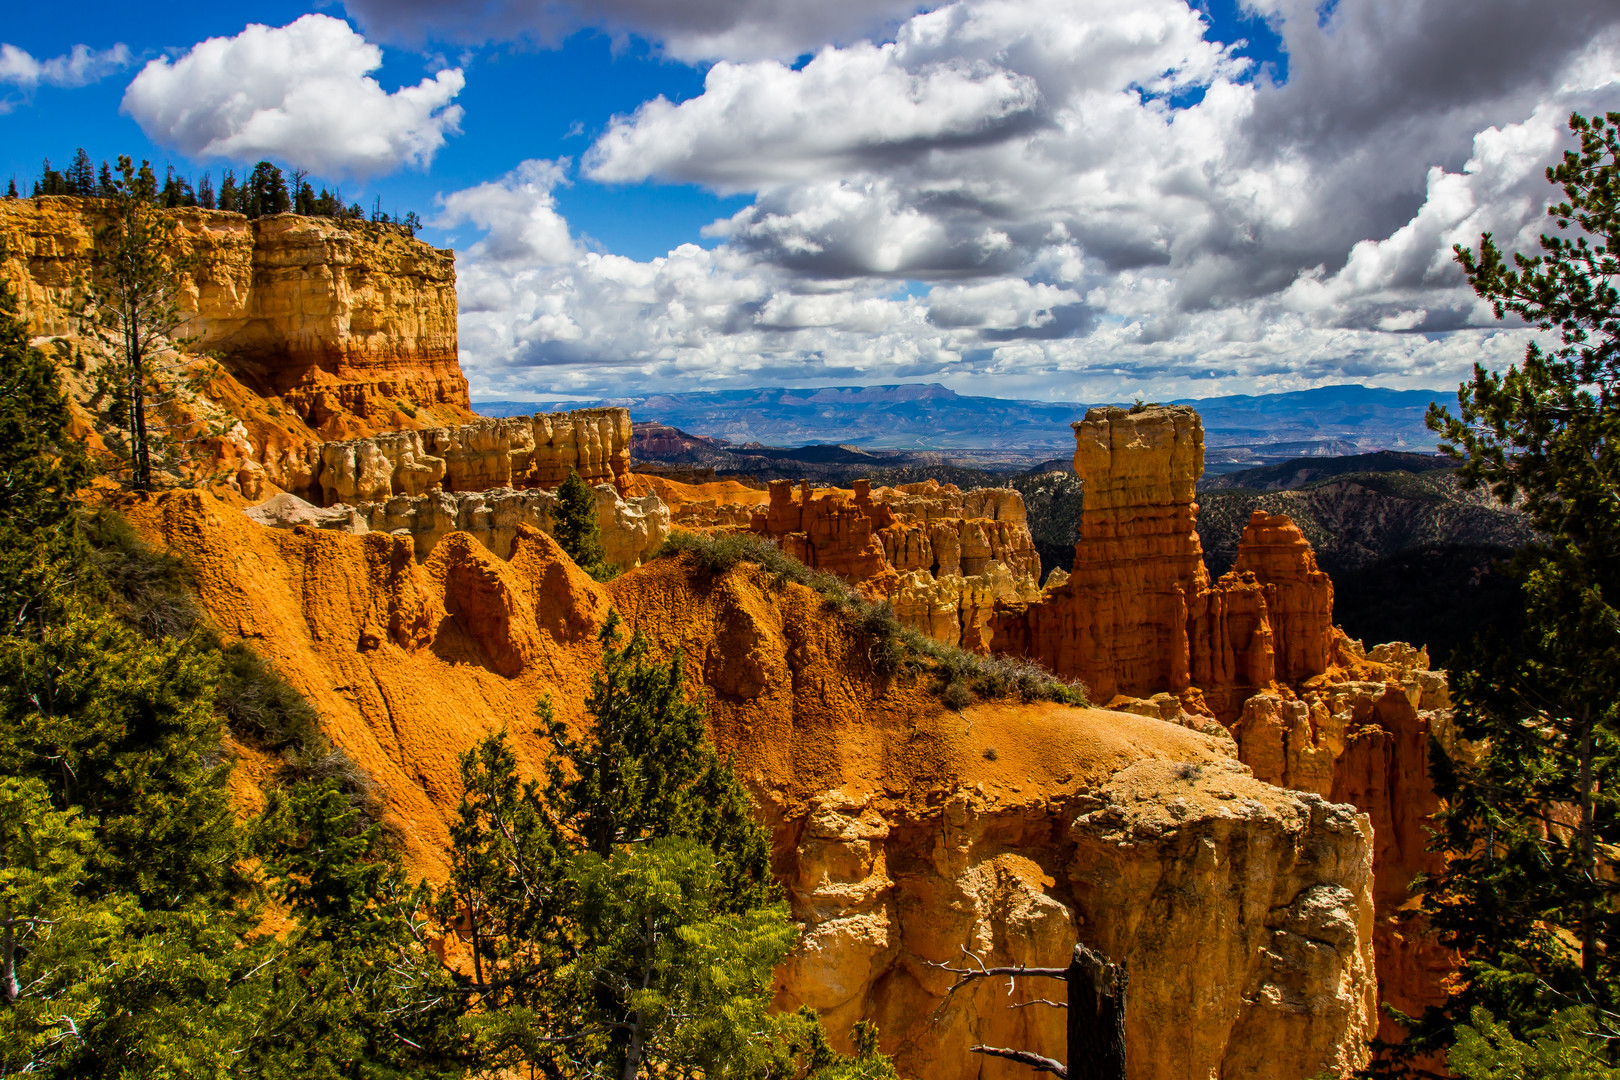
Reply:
x=1240 y=430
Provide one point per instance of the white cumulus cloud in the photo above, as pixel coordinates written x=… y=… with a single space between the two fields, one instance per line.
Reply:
x=691 y=30
x=80 y=66
x=1081 y=199
x=300 y=93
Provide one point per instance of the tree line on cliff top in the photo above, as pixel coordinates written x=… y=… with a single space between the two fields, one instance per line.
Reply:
x=615 y=918
x=262 y=191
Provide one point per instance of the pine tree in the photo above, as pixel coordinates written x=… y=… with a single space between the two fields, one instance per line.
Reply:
x=1568 y=1047
x=131 y=306
x=266 y=191
x=205 y=192
x=104 y=182
x=172 y=195
x=1531 y=822
x=356 y=993
x=622 y=918
x=11 y=189
x=41 y=469
x=574 y=526
x=81 y=175
x=229 y=196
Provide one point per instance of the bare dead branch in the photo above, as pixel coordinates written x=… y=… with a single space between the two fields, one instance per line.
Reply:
x=1024 y=1057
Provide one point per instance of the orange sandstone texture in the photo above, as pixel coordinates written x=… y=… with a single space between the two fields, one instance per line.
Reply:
x=943 y=557
x=1256 y=649
x=325 y=329
x=903 y=830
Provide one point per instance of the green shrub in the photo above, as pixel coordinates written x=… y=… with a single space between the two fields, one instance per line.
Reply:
x=151 y=591
x=892 y=646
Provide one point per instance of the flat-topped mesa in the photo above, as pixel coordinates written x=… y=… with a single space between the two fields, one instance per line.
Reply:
x=1138 y=614
x=508 y=452
x=348 y=327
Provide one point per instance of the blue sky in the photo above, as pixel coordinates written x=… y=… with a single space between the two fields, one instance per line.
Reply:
x=1070 y=199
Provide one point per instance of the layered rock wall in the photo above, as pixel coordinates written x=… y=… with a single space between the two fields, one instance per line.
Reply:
x=943 y=557
x=346 y=326
x=632 y=527
x=511 y=452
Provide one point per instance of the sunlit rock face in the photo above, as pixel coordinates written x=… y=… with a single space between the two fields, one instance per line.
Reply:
x=904 y=830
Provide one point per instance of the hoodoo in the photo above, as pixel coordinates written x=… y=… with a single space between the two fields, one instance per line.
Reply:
x=1256 y=649
x=1138 y=614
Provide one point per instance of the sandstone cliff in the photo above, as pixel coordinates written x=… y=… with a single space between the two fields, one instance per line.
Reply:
x=325 y=329
x=1256 y=649
x=509 y=452
x=1138 y=613
x=943 y=557
x=632 y=528
x=904 y=830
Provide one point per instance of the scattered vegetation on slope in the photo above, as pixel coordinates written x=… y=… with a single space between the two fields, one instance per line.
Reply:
x=960 y=676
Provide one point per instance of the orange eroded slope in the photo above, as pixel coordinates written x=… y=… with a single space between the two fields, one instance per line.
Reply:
x=902 y=830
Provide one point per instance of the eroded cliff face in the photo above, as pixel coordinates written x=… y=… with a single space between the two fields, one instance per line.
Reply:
x=1142 y=624
x=325 y=329
x=1138 y=613
x=943 y=557
x=484 y=478
x=903 y=830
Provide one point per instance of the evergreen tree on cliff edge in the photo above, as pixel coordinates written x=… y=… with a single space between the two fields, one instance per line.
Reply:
x=1531 y=783
x=574 y=526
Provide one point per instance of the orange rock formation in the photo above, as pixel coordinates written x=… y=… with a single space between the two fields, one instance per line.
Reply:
x=943 y=557
x=1138 y=613
x=904 y=830
x=326 y=329
x=1257 y=649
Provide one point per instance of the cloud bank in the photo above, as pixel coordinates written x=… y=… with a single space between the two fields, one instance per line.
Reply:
x=1064 y=198
x=300 y=94
x=692 y=30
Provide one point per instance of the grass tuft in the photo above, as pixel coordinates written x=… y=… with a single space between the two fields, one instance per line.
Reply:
x=959 y=675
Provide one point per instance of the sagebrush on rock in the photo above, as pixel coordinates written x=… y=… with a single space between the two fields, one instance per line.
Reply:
x=893 y=646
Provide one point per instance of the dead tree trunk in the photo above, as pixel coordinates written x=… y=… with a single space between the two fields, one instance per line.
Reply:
x=1096 y=1017
x=1096 y=1007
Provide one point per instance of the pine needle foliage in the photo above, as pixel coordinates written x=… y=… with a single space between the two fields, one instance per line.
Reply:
x=574 y=526
x=1530 y=824
x=621 y=915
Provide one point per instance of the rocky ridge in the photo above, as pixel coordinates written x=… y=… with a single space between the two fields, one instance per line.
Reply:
x=941 y=556
x=904 y=829
x=324 y=329
x=483 y=478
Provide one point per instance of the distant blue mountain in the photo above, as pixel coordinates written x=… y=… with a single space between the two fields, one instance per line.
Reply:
x=1327 y=421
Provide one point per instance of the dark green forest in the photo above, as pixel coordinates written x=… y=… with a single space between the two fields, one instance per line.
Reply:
x=262 y=191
